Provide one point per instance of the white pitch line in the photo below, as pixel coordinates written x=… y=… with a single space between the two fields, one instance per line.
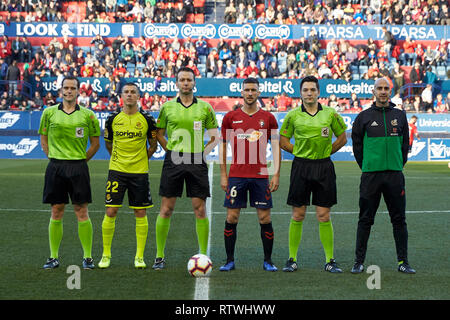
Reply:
x=210 y=213
x=202 y=284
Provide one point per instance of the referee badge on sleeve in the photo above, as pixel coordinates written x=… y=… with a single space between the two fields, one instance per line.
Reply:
x=79 y=132
x=325 y=132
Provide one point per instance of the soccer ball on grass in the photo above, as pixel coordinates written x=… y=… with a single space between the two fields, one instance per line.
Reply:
x=199 y=265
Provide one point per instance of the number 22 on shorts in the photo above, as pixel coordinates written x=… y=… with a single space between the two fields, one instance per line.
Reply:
x=112 y=186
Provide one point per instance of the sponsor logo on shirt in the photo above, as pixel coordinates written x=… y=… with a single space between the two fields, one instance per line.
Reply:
x=394 y=122
x=129 y=134
x=238 y=121
x=254 y=136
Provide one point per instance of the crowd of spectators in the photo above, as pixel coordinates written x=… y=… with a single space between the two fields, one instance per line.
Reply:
x=157 y=58
x=357 y=12
x=109 y=11
x=360 y=12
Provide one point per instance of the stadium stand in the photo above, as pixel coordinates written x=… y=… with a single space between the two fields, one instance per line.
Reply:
x=158 y=58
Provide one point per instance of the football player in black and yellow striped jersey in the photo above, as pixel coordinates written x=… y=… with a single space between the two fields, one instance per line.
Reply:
x=126 y=135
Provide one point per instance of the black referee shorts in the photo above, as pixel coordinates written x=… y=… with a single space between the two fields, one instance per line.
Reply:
x=67 y=178
x=316 y=177
x=175 y=175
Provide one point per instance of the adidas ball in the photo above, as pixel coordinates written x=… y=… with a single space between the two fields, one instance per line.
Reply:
x=199 y=265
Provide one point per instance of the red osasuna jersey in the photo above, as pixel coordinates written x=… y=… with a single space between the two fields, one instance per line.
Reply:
x=248 y=137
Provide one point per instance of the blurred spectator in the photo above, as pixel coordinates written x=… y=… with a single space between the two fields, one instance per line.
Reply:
x=417 y=76
x=427 y=98
x=409 y=56
x=397 y=100
x=201 y=47
x=4 y=104
x=430 y=76
x=439 y=104
x=13 y=75
x=230 y=13
x=283 y=102
x=399 y=78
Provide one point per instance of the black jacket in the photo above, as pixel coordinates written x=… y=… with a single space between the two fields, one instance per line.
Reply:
x=381 y=139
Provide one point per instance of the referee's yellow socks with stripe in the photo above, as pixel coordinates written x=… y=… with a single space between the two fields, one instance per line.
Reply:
x=141 y=235
x=327 y=239
x=85 y=234
x=202 y=228
x=55 y=234
x=108 y=227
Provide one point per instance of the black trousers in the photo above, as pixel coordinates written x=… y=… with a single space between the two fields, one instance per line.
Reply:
x=390 y=184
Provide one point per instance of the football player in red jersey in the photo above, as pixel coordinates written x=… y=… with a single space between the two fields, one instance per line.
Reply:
x=412 y=131
x=248 y=130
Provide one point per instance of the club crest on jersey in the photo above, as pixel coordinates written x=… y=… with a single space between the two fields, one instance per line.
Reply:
x=138 y=125
x=394 y=122
x=261 y=123
x=325 y=132
x=79 y=132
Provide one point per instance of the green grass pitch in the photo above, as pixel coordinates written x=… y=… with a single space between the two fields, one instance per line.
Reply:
x=24 y=244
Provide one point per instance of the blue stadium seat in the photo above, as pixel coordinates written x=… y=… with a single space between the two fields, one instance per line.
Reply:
x=354 y=69
x=363 y=70
x=282 y=66
x=355 y=76
x=202 y=68
x=441 y=72
x=131 y=67
x=140 y=67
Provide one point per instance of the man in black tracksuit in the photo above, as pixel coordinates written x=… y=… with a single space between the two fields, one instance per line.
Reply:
x=380 y=137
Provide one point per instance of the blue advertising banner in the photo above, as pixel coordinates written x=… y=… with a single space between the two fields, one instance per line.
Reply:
x=28 y=147
x=216 y=31
x=18 y=120
x=206 y=87
x=439 y=150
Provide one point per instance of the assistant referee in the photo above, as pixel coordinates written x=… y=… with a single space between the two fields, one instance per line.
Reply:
x=312 y=126
x=65 y=130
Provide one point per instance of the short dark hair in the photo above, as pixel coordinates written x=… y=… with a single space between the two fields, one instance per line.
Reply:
x=251 y=80
x=71 y=78
x=185 y=69
x=131 y=84
x=309 y=79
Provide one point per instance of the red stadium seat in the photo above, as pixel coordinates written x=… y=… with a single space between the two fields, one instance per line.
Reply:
x=199 y=3
x=190 y=18
x=199 y=18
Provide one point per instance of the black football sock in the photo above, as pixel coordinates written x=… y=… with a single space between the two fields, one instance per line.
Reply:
x=230 y=234
x=267 y=240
